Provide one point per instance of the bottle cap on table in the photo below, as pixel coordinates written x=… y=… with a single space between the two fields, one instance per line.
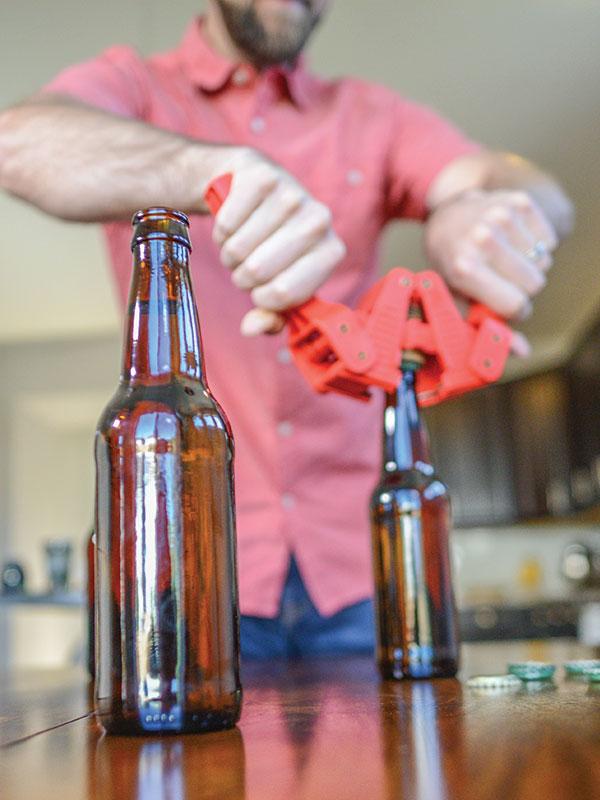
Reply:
x=592 y=674
x=494 y=682
x=532 y=670
x=581 y=666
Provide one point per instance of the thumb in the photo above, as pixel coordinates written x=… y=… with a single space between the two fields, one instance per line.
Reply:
x=259 y=320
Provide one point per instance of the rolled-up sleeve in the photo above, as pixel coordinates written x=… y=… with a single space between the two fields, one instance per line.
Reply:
x=115 y=81
x=421 y=144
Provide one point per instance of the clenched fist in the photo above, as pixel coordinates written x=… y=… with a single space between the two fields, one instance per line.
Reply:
x=276 y=239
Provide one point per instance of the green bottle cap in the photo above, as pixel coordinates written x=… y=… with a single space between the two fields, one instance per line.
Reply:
x=592 y=674
x=532 y=670
x=581 y=666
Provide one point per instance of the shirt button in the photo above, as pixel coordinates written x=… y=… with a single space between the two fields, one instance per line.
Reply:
x=285 y=428
x=288 y=501
x=354 y=177
x=240 y=76
x=284 y=356
x=257 y=124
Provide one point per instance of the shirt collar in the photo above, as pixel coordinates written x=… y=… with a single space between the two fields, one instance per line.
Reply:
x=211 y=71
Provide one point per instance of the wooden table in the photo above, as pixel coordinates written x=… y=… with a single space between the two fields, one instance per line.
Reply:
x=328 y=730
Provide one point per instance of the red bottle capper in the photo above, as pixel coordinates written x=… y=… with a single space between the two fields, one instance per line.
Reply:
x=349 y=351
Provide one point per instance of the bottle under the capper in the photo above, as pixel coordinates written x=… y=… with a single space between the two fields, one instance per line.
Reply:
x=410 y=523
x=167 y=657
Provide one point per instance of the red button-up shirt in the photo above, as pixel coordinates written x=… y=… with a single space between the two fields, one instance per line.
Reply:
x=305 y=464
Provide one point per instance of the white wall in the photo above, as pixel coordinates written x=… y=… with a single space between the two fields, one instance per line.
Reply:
x=51 y=396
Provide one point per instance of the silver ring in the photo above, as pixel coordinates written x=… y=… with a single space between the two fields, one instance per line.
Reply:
x=538 y=252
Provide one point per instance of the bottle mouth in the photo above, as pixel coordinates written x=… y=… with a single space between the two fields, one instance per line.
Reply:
x=160 y=223
x=412 y=359
x=159 y=213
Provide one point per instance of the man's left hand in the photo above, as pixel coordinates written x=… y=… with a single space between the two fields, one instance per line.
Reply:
x=494 y=247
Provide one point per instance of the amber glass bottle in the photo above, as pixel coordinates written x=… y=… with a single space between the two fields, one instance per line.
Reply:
x=410 y=523
x=91 y=611
x=166 y=589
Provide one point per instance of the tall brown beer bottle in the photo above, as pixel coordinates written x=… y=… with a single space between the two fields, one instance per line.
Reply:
x=410 y=522
x=90 y=597
x=166 y=588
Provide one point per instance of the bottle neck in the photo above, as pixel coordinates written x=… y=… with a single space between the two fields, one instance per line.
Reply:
x=405 y=440
x=162 y=332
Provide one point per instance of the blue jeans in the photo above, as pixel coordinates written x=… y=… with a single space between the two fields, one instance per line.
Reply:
x=299 y=629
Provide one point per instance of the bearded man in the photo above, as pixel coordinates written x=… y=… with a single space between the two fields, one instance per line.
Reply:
x=320 y=167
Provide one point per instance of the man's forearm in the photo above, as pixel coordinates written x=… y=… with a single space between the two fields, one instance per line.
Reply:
x=79 y=163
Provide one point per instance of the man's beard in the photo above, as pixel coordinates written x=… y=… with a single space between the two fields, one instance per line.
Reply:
x=261 y=46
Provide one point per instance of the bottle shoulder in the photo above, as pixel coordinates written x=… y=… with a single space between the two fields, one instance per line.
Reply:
x=181 y=401
x=414 y=478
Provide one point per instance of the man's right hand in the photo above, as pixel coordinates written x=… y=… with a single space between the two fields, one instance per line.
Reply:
x=277 y=240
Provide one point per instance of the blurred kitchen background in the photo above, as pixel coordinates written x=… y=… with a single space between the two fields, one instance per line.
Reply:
x=522 y=458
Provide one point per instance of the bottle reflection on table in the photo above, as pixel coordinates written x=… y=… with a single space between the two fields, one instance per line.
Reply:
x=182 y=768
x=417 y=730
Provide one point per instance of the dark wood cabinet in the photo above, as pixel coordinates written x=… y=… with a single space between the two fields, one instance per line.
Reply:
x=539 y=409
x=523 y=449
x=471 y=442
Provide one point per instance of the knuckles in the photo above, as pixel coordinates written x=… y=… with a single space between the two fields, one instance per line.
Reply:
x=232 y=254
x=252 y=269
x=320 y=219
x=519 y=308
x=265 y=177
x=521 y=200
x=499 y=216
x=276 y=296
x=485 y=236
x=291 y=199
x=461 y=270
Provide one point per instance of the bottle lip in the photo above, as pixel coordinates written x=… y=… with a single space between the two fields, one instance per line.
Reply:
x=161 y=212
x=160 y=223
x=160 y=236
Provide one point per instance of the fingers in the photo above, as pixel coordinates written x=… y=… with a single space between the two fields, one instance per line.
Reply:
x=262 y=222
x=503 y=255
x=471 y=275
x=535 y=220
x=520 y=346
x=505 y=219
x=302 y=232
x=495 y=247
x=276 y=239
x=300 y=281
x=249 y=188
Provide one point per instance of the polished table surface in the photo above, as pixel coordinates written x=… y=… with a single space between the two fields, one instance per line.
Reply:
x=325 y=729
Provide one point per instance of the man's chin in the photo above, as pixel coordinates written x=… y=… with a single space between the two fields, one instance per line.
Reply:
x=269 y=31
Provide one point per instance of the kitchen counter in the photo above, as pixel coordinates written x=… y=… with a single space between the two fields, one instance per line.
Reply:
x=320 y=730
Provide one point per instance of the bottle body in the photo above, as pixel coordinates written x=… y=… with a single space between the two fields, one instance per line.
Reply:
x=166 y=585
x=167 y=617
x=91 y=603
x=417 y=633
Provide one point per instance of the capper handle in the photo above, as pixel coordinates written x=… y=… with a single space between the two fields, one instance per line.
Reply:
x=214 y=196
